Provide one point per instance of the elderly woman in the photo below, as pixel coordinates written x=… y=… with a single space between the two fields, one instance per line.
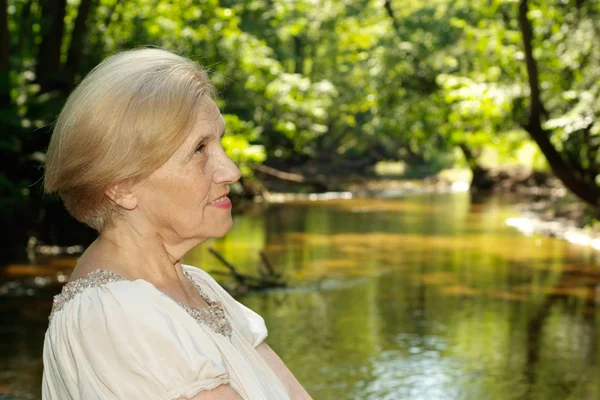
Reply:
x=136 y=154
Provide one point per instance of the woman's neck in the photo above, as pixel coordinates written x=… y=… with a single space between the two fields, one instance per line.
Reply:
x=136 y=254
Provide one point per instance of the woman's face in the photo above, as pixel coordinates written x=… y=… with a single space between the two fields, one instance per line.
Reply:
x=178 y=198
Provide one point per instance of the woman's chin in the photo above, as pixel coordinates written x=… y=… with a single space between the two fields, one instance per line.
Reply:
x=222 y=231
x=219 y=236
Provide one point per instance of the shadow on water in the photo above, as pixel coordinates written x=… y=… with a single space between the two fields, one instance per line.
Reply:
x=420 y=297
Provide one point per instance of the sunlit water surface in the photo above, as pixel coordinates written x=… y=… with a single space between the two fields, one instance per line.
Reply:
x=421 y=297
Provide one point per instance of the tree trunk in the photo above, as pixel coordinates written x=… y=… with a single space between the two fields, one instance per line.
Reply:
x=25 y=33
x=4 y=57
x=468 y=154
x=481 y=179
x=48 y=62
x=77 y=38
x=588 y=191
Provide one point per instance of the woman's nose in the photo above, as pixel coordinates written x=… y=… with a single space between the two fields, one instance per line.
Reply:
x=226 y=172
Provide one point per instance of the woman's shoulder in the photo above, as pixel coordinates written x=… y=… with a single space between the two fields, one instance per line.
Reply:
x=102 y=293
x=73 y=289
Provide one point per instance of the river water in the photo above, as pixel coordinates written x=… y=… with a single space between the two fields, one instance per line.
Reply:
x=419 y=297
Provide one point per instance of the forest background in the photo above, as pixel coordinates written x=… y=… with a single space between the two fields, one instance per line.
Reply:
x=324 y=87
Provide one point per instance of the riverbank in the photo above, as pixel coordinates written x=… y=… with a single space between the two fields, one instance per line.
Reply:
x=564 y=217
x=545 y=206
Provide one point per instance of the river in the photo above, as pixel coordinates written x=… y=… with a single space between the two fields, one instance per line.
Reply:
x=420 y=297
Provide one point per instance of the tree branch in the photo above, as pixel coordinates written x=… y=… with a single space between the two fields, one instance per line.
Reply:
x=299 y=54
x=536 y=106
x=390 y=11
x=285 y=176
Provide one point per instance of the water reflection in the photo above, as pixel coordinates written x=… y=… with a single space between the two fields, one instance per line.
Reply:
x=423 y=297
x=436 y=298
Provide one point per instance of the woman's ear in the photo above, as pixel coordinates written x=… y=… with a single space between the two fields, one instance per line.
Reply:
x=123 y=195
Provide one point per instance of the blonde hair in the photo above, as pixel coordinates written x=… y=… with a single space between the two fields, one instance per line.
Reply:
x=126 y=118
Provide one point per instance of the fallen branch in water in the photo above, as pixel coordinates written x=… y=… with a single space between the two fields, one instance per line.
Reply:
x=239 y=278
x=268 y=278
x=267 y=264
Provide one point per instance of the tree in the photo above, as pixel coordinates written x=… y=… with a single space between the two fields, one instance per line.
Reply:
x=576 y=166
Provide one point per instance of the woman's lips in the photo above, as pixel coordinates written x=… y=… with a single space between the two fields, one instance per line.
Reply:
x=221 y=202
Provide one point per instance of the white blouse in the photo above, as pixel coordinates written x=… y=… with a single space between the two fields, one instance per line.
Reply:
x=111 y=338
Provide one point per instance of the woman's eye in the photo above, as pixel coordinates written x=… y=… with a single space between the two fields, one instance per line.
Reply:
x=200 y=147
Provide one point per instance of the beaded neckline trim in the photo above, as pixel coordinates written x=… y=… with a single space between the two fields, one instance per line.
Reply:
x=212 y=316
x=96 y=278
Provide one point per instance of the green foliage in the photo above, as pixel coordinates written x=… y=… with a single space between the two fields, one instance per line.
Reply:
x=237 y=143
x=304 y=80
